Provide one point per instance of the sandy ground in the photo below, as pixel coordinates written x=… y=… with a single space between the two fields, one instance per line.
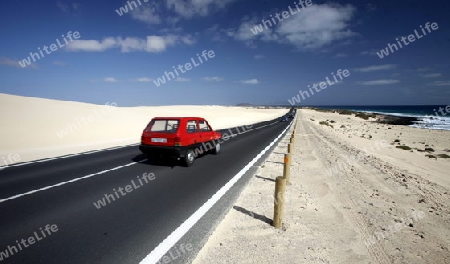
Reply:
x=344 y=205
x=36 y=128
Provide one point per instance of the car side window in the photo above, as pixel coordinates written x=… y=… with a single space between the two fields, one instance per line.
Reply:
x=191 y=126
x=204 y=126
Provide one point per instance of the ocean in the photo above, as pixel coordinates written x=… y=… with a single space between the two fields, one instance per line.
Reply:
x=430 y=117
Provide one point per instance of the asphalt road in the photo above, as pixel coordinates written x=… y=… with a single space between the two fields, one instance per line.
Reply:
x=61 y=193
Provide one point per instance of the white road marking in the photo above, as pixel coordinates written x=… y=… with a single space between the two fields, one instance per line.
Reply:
x=266 y=125
x=115 y=148
x=68 y=156
x=176 y=235
x=245 y=131
x=66 y=182
x=44 y=160
x=93 y=151
x=21 y=164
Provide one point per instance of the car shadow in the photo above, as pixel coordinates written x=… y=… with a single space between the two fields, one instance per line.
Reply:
x=162 y=162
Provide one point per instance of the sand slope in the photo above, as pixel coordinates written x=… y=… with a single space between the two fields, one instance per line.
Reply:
x=37 y=128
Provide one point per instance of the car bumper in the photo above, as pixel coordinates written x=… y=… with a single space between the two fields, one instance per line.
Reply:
x=175 y=152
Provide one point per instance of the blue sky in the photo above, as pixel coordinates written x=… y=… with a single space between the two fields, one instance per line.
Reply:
x=117 y=58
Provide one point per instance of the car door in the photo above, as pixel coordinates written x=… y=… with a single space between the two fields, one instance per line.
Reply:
x=192 y=132
x=205 y=131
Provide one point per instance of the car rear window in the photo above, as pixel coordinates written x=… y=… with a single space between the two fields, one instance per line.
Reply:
x=164 y=126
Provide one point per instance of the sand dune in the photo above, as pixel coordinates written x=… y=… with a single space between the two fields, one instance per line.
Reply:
x=36 y=128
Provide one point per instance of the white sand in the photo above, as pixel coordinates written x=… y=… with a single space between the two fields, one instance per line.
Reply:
x=397 y=199
x=33 y=128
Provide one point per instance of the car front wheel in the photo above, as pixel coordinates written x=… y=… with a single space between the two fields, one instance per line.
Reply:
x=189 y=158
x=216 y=149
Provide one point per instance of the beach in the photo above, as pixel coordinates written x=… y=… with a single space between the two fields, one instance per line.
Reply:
x=361 y=192
x=37 y=128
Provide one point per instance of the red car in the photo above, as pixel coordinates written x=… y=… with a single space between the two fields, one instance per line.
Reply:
x=183 y=138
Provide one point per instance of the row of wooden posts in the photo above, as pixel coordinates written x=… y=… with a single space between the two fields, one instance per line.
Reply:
x=280 y=183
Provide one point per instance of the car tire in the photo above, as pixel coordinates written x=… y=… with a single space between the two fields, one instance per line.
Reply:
x=189 y=158
x=216 y=150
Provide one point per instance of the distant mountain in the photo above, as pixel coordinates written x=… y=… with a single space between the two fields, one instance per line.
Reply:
x=244 y=104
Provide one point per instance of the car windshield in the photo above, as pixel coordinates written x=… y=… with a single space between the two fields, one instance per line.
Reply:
x=164 y=126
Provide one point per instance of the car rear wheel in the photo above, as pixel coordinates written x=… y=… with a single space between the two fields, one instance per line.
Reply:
x=216 y=149
x=189 y=158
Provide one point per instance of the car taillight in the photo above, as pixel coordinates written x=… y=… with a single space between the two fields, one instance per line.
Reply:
x=177 y=142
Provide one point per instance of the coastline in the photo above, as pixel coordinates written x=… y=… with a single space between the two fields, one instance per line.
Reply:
x=380 y=118
x=397 y=120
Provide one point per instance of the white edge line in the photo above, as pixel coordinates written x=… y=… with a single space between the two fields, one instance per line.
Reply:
x=21 y=164
x=115 y=148
x=68 y=156
x=93 y=151
x=257 y=128
x=178 y=233
x=44 y=160
x=66 y=182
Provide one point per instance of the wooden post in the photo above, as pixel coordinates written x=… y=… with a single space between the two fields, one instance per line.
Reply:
x=290 y=149
x=280 y=188
x=287 y=167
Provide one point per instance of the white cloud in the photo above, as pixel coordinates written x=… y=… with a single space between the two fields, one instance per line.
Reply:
x=431 y=75
x=179 y=79
x=63 y=7
x=318 y=25
x=257 y=57
x=68 y=8
x=424 y=69
x=191 y=8
x=377 y=68
x=213 y=79
x=341 y=55
x=189 y=40
x=173 y=11
x=130 y=44
x=144 y=79
x=251 y=81
x=312 y=28
x=158 y=44
x=244 y=32
x=60 y=63
x=372 y=52
x=148 y=14
x=15 y=63
x=110 y=79
x=378 y=82
x=92 y=45
x=220 y=34
x=440 y=83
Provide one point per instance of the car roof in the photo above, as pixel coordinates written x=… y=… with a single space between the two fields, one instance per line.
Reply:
x=173 y=117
